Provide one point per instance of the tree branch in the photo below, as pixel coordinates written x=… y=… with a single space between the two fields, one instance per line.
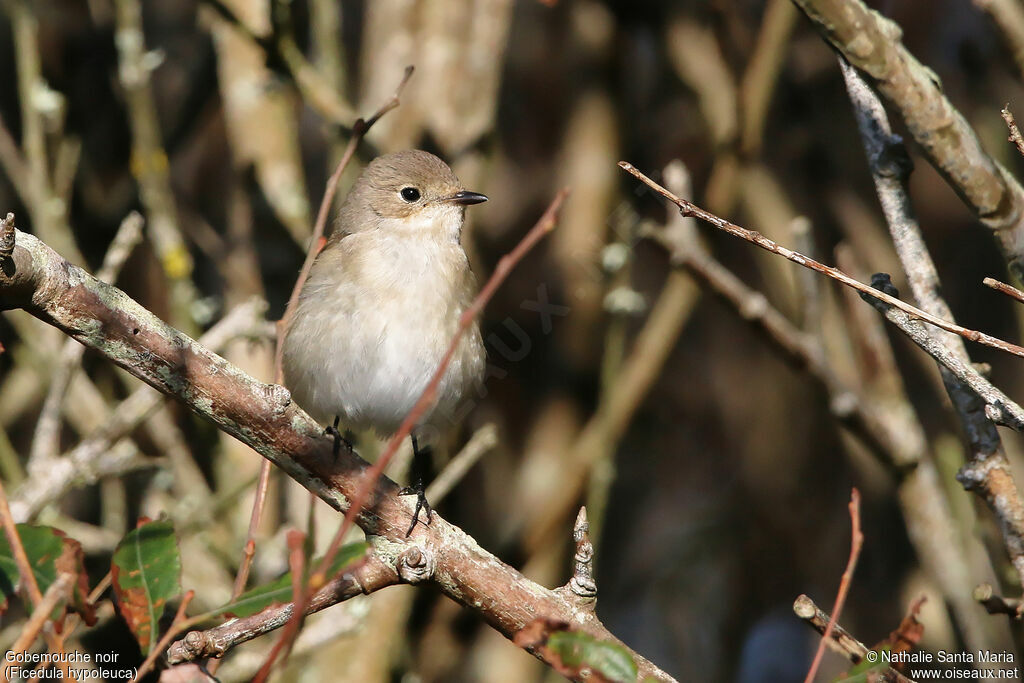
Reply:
x=369 y=576
x=871 y=42
x=688 y=208
x=890 y=169
x=262 y=415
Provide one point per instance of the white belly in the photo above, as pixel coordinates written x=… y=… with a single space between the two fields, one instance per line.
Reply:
x=368 y=337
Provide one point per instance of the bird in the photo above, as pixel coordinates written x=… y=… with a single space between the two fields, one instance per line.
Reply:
x=381 y=304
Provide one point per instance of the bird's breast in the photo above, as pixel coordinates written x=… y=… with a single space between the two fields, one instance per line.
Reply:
x=384 y=322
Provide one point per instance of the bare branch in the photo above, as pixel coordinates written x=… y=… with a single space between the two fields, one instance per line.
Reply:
x=890 y=169
x=25 y=575
x=175 y=628
x=688 y=208
x=994 y=604
x=58 y=591
x=871 y=42
x=1008 y=290
x=840 y=640
x=367 y=577
x=104 y=453
x=856 y=542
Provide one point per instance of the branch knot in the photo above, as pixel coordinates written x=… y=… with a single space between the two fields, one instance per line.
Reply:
x=415 y=565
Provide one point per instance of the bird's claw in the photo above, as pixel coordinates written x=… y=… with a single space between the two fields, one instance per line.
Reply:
x=421 y=504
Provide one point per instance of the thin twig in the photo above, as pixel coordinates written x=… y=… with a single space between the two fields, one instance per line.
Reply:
x=543 y=226
x=28 y=579
x=359 y=131
x=690 y=209
x=46 y=439
x=297 y=567
x=856 y=541
x=1008 y=290
x=366 y=577
x=57 y=592
x=891 y=166
x=177 y=626
x=482 y=441
x=986 y=595
x=1011 y=125
x=840 y=640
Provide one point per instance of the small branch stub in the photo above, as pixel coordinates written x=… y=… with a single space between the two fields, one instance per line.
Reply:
x=582 y=583
x=840 y=640
x=7 y=236
x=1011 y=125
x=1008 y=290
x=415 y=565
x=996 y=604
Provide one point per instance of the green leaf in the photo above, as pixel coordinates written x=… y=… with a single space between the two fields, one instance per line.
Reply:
x=581 y=650
x=49 y=552
x=279 y=591
x=146 y=572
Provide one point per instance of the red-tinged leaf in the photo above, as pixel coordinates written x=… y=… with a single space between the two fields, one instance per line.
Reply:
x=910 y=630
x=72 y=562
x=146 y=572
x=906 y=635
x=576 y=653
x=50 y=552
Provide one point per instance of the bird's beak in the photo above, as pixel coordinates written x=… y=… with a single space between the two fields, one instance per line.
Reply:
x=465 y=197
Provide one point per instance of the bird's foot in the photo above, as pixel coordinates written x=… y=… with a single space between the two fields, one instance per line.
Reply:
x=421 y=504
x=339 y=438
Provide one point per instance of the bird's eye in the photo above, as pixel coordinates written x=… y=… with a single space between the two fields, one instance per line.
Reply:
x=410 y=194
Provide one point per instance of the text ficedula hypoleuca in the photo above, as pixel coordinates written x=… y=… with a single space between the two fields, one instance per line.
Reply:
x=383 y=301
